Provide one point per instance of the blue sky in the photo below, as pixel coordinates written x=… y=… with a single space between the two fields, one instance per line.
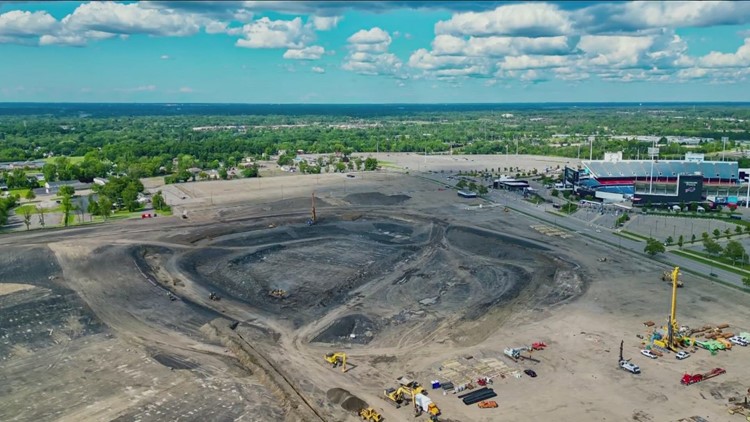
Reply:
x=374 y=52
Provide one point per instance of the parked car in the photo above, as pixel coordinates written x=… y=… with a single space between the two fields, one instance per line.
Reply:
x=530 y=373
x=682 y=355
x=648 y=354
x=738 y=341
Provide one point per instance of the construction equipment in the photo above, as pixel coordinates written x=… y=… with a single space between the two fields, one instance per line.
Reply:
x=674 y=338
x=277 y=293
x=423 y=403
x=603 y=259
x=538 y=346
x=314 y=217
x=515 y=353
x=214 y=296
x=397 y=396
x=740 y=409
x=627 y=364
x=369 y=414
x=689 y=379
x=487 y=404
x=667 y=276
x=336 y=359
x=411 y=386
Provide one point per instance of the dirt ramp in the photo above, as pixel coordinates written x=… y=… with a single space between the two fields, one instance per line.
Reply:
x=345 y=399
x=375 y=198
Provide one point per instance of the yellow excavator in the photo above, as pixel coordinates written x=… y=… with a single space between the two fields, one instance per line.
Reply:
x=336 y=359
x=412 y=387
x=397 y=396
x=369 y=414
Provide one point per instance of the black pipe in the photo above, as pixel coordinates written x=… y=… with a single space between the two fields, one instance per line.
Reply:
x=486 y=393
x=473 y=392
x=489 y=396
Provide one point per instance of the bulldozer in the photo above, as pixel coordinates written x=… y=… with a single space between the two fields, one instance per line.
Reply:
x=336 y=359
x=369 y=414
x=277 y=293
x=667 y=276
x=412 y=387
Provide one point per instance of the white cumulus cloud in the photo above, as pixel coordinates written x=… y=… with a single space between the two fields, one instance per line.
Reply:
x=368 y=54
x=314 y=52
x=318 y=69
x=265 y=33
x=526 y=19
x=325 y=23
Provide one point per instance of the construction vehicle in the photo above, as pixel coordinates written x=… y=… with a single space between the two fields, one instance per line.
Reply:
x=740 y=409
x=397 y=396
x=674 y=338
x=627 y=364
x=214 y=296
x=689 y=379
x=423 y=403
x=411 y=386
x=487 y=404
x=515 y=353
x=314 y=217
x=277 y=293
x=369 y=414
x=336 y=359
x=602 y=259
x=667 y=276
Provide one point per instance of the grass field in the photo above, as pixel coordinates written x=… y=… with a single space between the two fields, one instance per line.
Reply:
x=73 y=160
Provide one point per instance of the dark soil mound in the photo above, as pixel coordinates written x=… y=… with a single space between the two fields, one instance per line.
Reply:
x=344 y=398
x=375 y=198
x=361 y=326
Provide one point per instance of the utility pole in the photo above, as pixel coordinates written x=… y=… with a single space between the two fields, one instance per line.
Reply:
x=591 y=151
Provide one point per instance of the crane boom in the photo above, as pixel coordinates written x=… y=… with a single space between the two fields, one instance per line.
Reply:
x=672 y=324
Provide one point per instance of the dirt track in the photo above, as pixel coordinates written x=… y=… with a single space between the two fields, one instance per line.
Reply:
x=417 y=278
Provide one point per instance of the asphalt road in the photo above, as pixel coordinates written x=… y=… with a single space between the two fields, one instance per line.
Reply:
x=605 y=234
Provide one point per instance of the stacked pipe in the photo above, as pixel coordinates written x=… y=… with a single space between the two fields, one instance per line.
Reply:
x=477 y=396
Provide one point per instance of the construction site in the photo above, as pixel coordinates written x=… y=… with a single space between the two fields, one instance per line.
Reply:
x=380 y=297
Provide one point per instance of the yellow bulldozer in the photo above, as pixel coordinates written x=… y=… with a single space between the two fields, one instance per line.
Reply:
x=369 y=414
x=336 y=359
x=667 y=276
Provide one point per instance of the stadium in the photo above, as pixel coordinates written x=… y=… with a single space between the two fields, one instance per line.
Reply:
x=666 y=182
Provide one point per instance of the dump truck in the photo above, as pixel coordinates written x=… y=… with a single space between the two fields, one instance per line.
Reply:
x=426 y=405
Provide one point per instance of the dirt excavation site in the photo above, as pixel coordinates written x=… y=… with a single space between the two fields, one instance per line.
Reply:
x=227 y=315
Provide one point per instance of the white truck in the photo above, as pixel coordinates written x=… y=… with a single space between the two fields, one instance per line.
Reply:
x=426 y=405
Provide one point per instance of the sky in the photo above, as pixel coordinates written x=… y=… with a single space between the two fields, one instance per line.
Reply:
x=374 y=51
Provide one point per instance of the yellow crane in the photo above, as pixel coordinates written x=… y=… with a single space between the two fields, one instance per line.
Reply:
x=336 y=359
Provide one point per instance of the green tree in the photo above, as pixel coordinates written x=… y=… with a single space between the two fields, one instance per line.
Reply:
x=711 y=246
x=669 y=240
x=734 y=251
x=27 y=217
x=223 y=173
x=130 y=197
x=40 y=211
x=680 y=241
x=738 y=229
x=654 y=247
x=704 y=235
x=67 y=206
x=105 y=207
x=717 y=233
x=746 y=281
x=66 y=191
x=93 y=207
x=692 y=238
x=157 y=200
x=555 y=193
x=461 y=184
x=253 y=170
x=371 y=164
x=727 y=232
x=50 y=172
x=340 y=167
x=29 y=194
x=482 y=189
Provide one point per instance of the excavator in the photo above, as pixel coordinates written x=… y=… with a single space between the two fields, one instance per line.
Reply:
x=412 y=387
x=369 y=414
x=667 y=276
x=336 y=359
x=397 y=396
x=277 y=293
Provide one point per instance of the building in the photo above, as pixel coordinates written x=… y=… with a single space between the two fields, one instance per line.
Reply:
x=628 y=172
x=54 y=187
x=467 y=194
x=38 y=164
x=689 y=188
x=510 y=184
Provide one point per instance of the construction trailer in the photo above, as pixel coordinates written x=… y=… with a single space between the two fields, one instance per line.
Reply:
x=689 y=379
